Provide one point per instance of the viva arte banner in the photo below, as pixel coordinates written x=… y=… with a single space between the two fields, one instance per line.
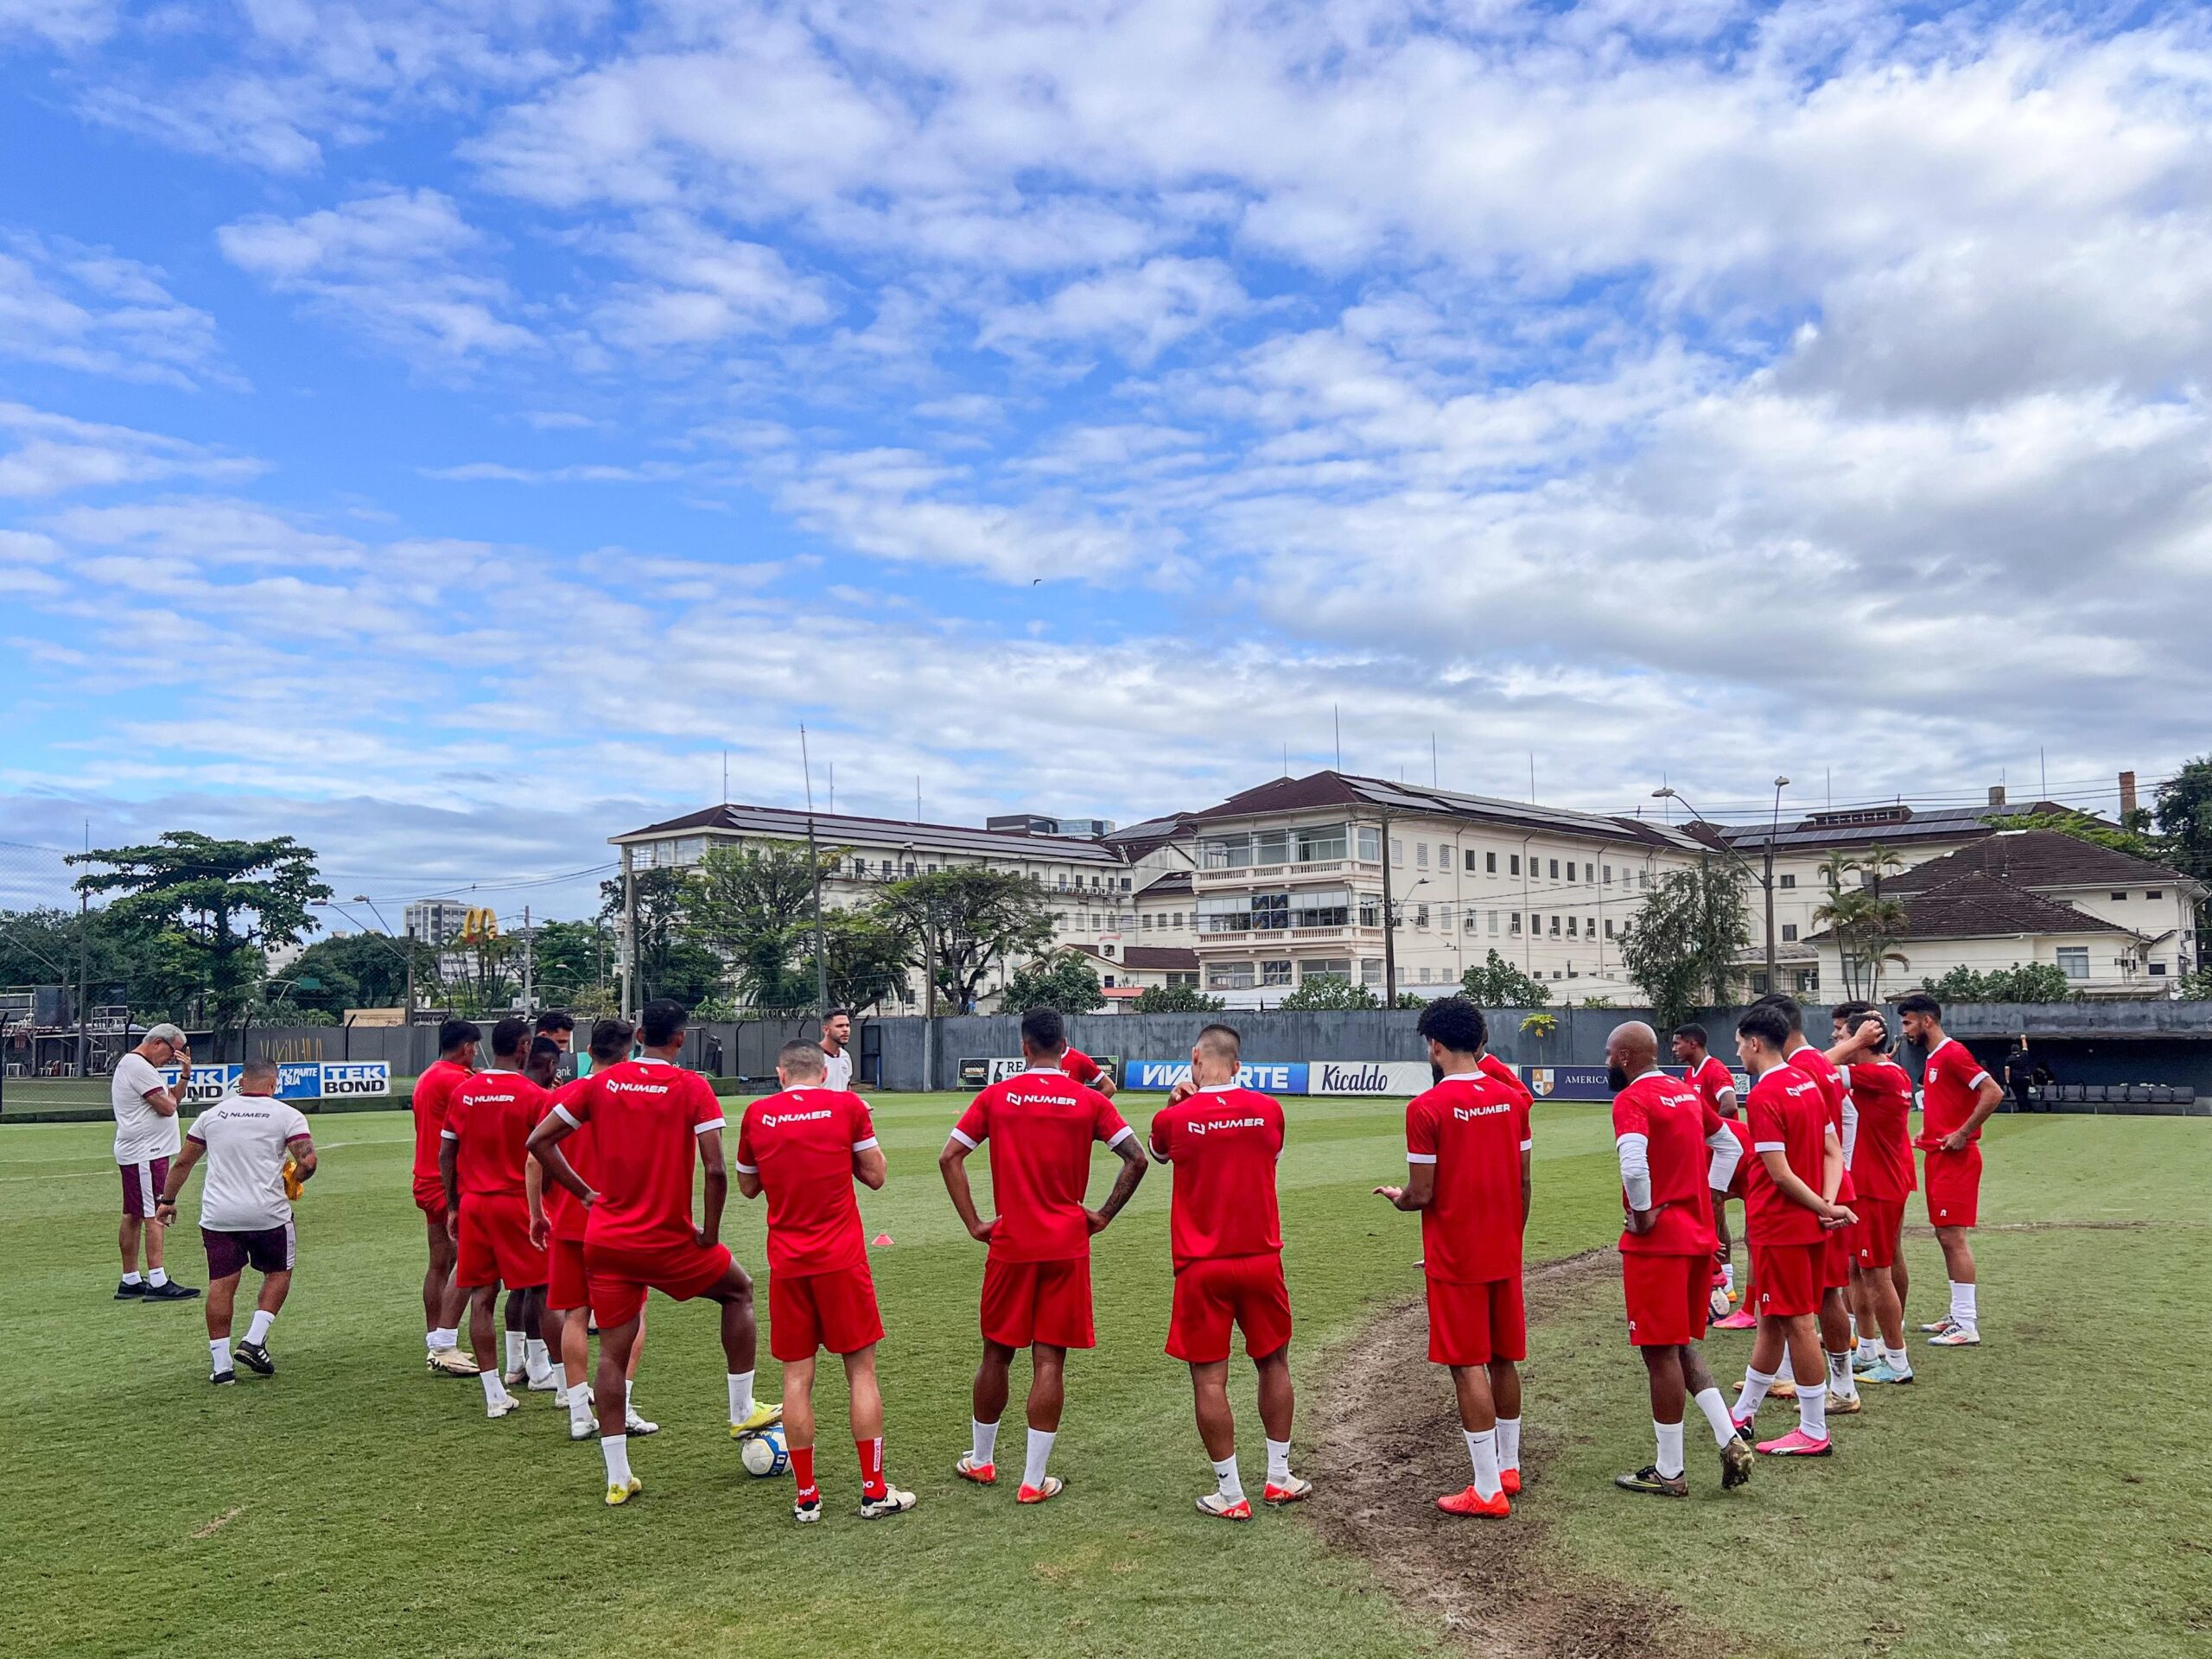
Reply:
x=1401 y=1078
x=296 y=1080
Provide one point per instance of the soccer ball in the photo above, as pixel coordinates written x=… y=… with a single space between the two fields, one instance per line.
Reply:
x=764 y=1454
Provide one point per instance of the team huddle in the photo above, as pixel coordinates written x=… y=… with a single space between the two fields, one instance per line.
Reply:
x=576 y=1198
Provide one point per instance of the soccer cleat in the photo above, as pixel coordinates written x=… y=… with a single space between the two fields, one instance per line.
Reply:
x=1510 y=1479
x=582 y=1431
x=1884 y=1372
x=633 y=1424
x=764 y=1415
x=1221 y=1508
x=1796 y=1444
x=894 y=1501
x=127 y=1292
x=511 y=1377
x=549 y=1383
x=983 y=1474
x=1861 y=1365
x=1495 y=1508
x=807 y=1510
x=1052 y=1488
x=1940 y=1325
x=1745 y=1434
x=171 y=1292
x=220 y=1377
x=501 y=1406
x=1735 y=1462
x=257 y=1358
x=450 y=1362
x=1741 y=1319
x=1844 y=1405
x=620 y=1492
x=1781 y=1388
x=1959 y=1336
x=1650 y=1482
x=1294 y=1491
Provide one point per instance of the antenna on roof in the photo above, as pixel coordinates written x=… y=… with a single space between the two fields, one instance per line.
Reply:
x=918 y=797
x=1337 y=719
x=725 y=774
x=1435 y=779
x=1532 y=777
x=833 y=786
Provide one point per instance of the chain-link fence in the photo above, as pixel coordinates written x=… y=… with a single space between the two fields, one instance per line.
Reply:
x=61 y=1029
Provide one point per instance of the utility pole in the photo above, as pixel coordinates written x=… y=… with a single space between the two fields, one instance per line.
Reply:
x=814 y=865
x=1774 y=826
x=629 y=935
x=1390 y=925
x=528 y=963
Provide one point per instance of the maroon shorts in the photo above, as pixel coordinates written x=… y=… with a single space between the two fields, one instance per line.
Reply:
x=1026 y=1302
x=565 y=1286
x=1473 y=1325
x=430 y=1199
x=808 y=1311
x=495 y=1244
x=1952 y=1187
x=269 y=1250
x=619 y=1276
x=1212 y=1295
x=142 y=1186
x=1874 y=1239
x=1835 y=1253
x=1788 y=1277
x=1668 y=1298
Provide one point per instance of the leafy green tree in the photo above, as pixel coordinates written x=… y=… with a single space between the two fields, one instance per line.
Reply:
x=360 y=970
x=2195 y=986
x=1331 y=991
x=1175 y=999
x=2184 y=811
x=754 y=907
x=1062 y=981
x=214 y=905
x=669 y=963
x=2033 y=981
x=2121 y=838
x=1497 y=984
x=977 y=917
x=866 y=959
x=1681 y=949
x=574 y=965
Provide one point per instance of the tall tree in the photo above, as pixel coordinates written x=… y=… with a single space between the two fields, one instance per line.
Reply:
x=1497 y=984
x=1329 y=991
x=1681 y=949
x=752 y=906
x=669 y=964
x=215 y=904
x=977 y=917
x=1062 y=981
x=573 y=962
x=1175 y=999
x=2184 y=809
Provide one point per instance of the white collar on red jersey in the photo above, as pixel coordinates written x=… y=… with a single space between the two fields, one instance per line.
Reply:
x=793 y=1088
x=1941 y=1047
x=1653 y=1072
x=1042 y=1070
x=651 y=1059
x=1467 y=1076
x=1218 y=1088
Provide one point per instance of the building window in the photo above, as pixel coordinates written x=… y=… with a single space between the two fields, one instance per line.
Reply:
x=1513 y=920
x=2118 y=897
x=1371 y=843
x=1424 y=975
x=1146 y=922
x=1370 y=970
x=1274 y=973
x=1328 y=908
x=1790 y=932
x=1443 y=856
x=1570 y=869
x=1471 y=861
x=1175 y=920
x=1808 y=979
x=1329 y=969
x=1493 y=924
x=1554 y=869
x=2157 y=971
x=1175 y=979
x=1644 y=878
x=1570 y=928
x=1609 y=927
x=1513 y=859
x=1788 y=879
x=1370 y=910
x=1590 y=926
x=1443 y=917
x=1105 y=950
x=1229 y=976
x=1489 y=863
x=2074 y=961
x=1315 y=845
x=1554 y=925
x=1420 y=915
x=1397 y=852
x=1421 y=854
x=1609 y=875
x=2153 y=893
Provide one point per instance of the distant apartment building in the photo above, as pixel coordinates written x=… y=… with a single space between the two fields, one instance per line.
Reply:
x=435 y=921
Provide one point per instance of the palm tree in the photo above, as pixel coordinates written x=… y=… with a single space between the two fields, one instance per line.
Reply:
x=1841 y=915
x=1877 y=860
x=1832 y=868
x=1867 y=930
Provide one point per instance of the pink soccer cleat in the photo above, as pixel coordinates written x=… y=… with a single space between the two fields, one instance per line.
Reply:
x=1796 y=1444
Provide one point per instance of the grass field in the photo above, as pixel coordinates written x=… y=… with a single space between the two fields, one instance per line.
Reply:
x=2046 y=1492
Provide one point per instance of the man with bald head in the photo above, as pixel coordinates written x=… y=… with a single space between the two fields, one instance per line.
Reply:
x=1674 y=1150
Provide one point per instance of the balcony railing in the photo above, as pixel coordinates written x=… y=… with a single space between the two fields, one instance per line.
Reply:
x=1245 y=875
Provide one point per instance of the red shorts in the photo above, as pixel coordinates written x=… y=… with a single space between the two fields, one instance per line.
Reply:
x=1668 y=1298
x=565 y=1286
x=618 y=1276
x=495 y=1244
x=1473 y=1325
x=1246 y=1291
x=1874 y=1240
x=837 y=1310
x=1835 y=1255
x=1952 y=1187
x=1788 y=1277
x=430 y=1199
x=1026 y=1302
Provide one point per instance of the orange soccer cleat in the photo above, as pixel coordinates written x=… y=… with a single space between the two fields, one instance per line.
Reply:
x=1497 y=1508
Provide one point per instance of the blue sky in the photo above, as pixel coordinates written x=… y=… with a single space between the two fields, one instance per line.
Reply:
x=440 y=430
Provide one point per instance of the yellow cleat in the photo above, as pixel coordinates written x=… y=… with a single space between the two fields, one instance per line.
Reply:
x=764 y=1415
x=620 y=1492
x=450 y=1362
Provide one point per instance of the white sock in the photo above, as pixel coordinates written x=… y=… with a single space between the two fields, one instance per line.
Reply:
x=1813 y=1413
x=1509 y=1443
x=1756 y=1384
x=1481 y=1452
x=1670 y=1449
x=580 y=1403
x=1962 y=1309
x=1868 y=1351
x=1727 y=1275
x=133 y=1277
x=615 y=1448
x=157 y=1277
x=1842 y=1383
x=219 y=1352
x=741 y=1396
x=1715 y=1408
x=1896 y=1359
x=494 y=1390
x=1232 y=1482
x=515 y=1351
x=628 y=1404
x=256 y=1328
x=535 y=1359
x=1279 y=1463
x=986 y=1441
x=1041 y=1449
x=442 y=1339
x=1851 y=1326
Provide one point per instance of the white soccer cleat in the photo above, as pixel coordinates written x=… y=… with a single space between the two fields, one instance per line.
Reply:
x=502 y=1406
x=547 y=1383
x=894 y=1501
x=1957 y=1336
x=1222 y=1508
x=582 y=1428
x=633 y=1424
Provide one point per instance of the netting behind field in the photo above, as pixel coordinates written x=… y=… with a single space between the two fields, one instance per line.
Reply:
x=49 y=1033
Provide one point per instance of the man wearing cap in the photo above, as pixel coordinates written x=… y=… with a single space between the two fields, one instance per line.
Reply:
x=145 y=1139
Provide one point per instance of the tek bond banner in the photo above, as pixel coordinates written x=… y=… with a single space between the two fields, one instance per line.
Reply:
x=296 y=1080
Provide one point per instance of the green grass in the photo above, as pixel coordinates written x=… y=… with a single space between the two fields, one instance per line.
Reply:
x=2040 y=1483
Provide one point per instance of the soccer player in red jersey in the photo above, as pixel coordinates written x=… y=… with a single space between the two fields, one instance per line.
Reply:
x=1468 y=1150
x=1957 y=1095
x=804 y=1148
x=1037 y=1277
x=1881 y=1172
x=487 y=1208
x=651 y=1120
x=1087 y=1071
x=442 y=1299
x=1672 y=1146
x=1716 y=1086
x=1835 y=1267
x=1788 y=1221
x=1226 y=1241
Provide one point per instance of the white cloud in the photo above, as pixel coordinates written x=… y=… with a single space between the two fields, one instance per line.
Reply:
x=700 y=288
x=64 y=23
x=89 y=310
x=1141 y=312
x=52 y=454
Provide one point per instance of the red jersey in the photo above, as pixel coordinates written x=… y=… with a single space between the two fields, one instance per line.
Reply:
x=1836 y=1100
x=1491 y=1066
x=801 y=1143
x=564 y=1211
x=1881 y=1161
x=1080 y=1066
x=1040 y=1125
x=1674 y=1123
x=433 y=1095
x=1709 y=1077
x=1745 y=1159
x=1789 y=1117
x=646 y=1116
x=1224 y=1142
x=1476 y=1132
x=1950 y=1089
x=490 y=1118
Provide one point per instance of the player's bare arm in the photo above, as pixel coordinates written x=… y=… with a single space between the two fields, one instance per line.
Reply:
x=714 y=1192
x=449 y=1172
x=544 y=1147
x=1528 y=1188
x=870 y=1169
x=748 y=1182
x=1419 y=1192
x=1125 y=1181
x=533 y=1195
x=1792 y=1186
x=1987 y=1099
x=180 y=1168
x=301 y=1147
x=952 y=1164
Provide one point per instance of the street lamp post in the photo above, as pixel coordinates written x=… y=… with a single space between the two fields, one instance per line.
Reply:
x=1763 y=877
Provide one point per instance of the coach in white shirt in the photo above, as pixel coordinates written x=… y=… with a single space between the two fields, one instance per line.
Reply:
x=837 y=1059
x=145 y=1139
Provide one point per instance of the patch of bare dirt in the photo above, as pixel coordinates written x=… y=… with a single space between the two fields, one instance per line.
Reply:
x=1499 y=1588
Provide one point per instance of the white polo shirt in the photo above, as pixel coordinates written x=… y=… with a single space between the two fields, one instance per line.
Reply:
x=141 y=1133
x=837 y=1069
x=246 y=1138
